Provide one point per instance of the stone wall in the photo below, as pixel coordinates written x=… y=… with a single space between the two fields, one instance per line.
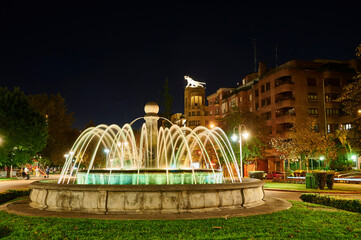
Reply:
x=133 y=199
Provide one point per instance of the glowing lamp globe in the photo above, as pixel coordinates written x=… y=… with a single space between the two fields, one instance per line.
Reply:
x=151 y=108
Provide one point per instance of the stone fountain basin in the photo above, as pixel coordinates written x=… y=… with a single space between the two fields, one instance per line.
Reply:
x=146 y=199
x=149 y=177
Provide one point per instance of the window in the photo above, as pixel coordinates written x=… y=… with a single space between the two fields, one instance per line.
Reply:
x=312 y=96
x=331 y=97
x=266 y=101
x=347 y=126
x=332 y=127
x=311 y=81
x=268 y=86
x=210 y=112
x=267 y=115
x=332 y=111
x=193 y=113
x=256 y=93
x=250 y=97
x=283 y=80
x=333 y=82
x=285 y=111
x=224 y=107
x=198 y=113
x=217 y=111
x=257 y=106
x=210 y=102
x=240 y=99
x=316 y=128
x=262 y=88
x=313 y=111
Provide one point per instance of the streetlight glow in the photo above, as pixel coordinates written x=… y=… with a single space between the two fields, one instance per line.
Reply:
x=106 y=150
x=353 y=157
x=245 y=134
x=234 y=138
x=322 y=158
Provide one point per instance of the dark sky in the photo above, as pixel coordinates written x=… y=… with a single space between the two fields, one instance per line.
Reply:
x=108 y=60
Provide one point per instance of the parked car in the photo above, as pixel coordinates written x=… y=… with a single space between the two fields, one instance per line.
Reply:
x=272 y=175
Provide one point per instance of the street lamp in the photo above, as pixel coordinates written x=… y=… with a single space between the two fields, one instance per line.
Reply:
x=354 y=158
x=321 y=159
x=234 y=137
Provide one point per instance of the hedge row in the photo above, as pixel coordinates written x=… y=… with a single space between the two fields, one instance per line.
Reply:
x=352 y=205
x=12 y=194
x=256 y=174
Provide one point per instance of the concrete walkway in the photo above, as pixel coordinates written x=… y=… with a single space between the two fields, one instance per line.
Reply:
x=275 y=200
x=23 y=183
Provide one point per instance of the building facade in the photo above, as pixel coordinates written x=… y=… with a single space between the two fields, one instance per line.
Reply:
x=289 y=93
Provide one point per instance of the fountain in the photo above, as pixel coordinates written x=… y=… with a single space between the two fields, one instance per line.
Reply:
x=158 y=170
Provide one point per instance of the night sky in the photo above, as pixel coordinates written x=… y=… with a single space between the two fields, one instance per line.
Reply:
x=108 y=60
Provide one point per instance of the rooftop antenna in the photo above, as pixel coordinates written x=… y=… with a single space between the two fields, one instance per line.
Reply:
x=276 y=56
x=255 y=53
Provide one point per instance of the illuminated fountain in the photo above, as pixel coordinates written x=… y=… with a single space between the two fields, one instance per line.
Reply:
x=175 y=155
x=160 y=170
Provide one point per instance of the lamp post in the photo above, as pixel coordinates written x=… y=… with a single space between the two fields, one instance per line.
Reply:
x=319 y=162
x=234 y=137
x=354 y=158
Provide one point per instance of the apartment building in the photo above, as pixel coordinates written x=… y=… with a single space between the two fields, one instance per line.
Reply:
x=289 y=93
x=195 y=109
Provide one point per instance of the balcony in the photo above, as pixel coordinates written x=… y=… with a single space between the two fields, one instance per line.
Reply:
x=283 y=80
x=285 y=102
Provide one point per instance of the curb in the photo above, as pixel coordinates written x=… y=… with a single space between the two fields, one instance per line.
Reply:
x=301 y=191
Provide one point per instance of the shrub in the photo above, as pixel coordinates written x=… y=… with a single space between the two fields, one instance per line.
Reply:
x=330 y=180
x=256 y=174
x=352 y=205
x=320 y=179
x=12 y=194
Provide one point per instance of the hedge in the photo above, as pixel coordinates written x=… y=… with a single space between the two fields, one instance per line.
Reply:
x=256 y=174
x=352 y=205
x=12 y=194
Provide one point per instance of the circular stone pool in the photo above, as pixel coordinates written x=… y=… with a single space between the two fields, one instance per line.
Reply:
x=146 y=199
x=149 y=177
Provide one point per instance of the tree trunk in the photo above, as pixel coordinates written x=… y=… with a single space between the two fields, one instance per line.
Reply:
x=307 y=165
x=288 y=165
x=7 y=172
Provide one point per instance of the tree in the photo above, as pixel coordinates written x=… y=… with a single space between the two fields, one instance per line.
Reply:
x=59 y=120
x=284 y=149
x=167 y=102
x=309 y=143
x=253 y=148
x=22 y=129
x=351 y=101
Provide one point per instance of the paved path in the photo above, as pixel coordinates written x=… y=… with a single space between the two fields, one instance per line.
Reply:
x=23 y=183
x=286 y=195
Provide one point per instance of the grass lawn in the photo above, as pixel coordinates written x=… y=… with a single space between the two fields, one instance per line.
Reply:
x=5 y=179
x=302 y=221
x=302 y=187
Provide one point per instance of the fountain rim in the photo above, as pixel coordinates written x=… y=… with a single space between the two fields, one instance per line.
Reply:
x=246 y=183
x=151 y=170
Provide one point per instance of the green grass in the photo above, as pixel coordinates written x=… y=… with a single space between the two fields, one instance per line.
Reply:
x=302 y=221
x=302 y=187
x=6 y=179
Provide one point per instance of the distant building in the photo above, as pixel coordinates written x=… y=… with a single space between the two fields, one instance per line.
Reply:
x=289 y=93
x=195 y=109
